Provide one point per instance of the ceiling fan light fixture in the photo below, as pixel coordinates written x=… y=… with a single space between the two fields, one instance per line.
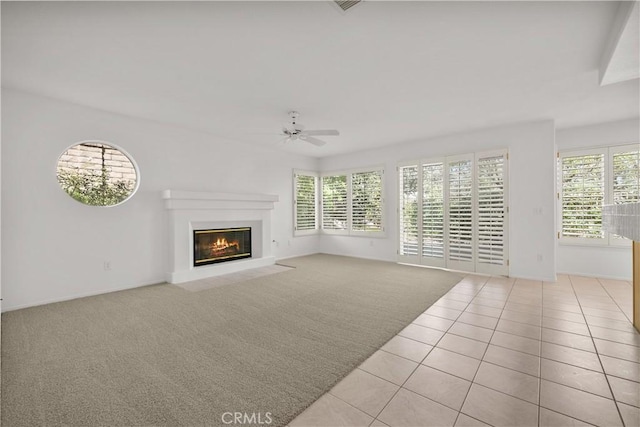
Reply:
x=296 y=132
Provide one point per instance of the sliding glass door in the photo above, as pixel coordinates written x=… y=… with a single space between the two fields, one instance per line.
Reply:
x=492 y=214
x=409 y=211
x=453 y=212
x=432 y=214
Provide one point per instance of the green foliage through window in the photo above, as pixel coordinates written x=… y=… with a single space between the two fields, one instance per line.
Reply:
x=352 y=203
x=96 y=174
x=591 y=179
x=334 y=202
x=366 y=201
x=94 y=189
x=305 y=202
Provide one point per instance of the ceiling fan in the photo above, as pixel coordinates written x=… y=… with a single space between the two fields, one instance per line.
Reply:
x=296 y=132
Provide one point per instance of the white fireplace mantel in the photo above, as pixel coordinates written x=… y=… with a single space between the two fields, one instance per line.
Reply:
x=178 y=199
x=194 y=210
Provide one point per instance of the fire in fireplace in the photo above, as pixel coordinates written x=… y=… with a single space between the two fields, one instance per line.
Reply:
x=220 y=245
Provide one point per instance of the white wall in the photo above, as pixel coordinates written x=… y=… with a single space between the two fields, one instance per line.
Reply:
x=54 y=247
x=600 y=261
x=532 y=184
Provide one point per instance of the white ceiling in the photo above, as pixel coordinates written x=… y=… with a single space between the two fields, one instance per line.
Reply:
x=622 y=50
x=382 y=73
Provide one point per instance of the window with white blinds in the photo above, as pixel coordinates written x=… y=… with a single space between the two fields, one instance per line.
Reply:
x=453 y=212
x=342 y=203
x=626 y=175
x=491 y=209
x=460 y=230
x=352 y=202
x=626 y=179
x=408 y=210
x=590 y=179
x=366 y=201
x=305 y=202
x=582 y=178
x=334 y=202
x=433 y=210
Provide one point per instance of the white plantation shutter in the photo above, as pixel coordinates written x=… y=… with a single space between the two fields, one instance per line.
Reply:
x=366 y=201
x=433 y=210
x=626 y=176
x=589 y=179
x=305 y=202
x=460 y=213
x=582 y=181
x=334 y=202
x=455 y=209
x=625 y=182
x=408 y=179
x=491 y=213
x=352 y=203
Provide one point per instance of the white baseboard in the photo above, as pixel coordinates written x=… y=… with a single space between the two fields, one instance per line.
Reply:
x=296 y=256
x=627 y=279
x=539 y=279
x=360 y=257
x=80 y=295
x=5 y=307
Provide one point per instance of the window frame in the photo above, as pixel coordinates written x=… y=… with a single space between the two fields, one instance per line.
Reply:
x=433 y=261
x=110 y=145
x=609 y=187
x=316 y=180
x=475 y=264
x=349 y=231
x=347 y=201
x=403 y=257
x=487 y=267
x=608 y=153
x=366 y=233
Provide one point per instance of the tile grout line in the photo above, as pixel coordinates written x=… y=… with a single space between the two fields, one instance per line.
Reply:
x=541 y=313
x=566 y=363
x=343 y=401
x=598 y=353
x=614 y=300
x=456 y=320
x=423 y=359
x=540 y=359
x=375 y=417
x=483 y=354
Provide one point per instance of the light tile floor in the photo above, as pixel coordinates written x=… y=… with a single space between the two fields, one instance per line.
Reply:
x=502 y=352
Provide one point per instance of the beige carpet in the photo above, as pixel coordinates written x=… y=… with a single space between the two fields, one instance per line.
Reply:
x=161 y=355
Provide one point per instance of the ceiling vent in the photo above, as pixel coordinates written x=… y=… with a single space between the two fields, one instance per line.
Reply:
x=347 y=4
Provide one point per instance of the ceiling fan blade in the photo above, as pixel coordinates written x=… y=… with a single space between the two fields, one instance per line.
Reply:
x=283 y=141
x=315 y=141
x=327 y=132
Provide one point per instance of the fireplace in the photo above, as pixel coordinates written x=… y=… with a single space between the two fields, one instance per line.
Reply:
x=221 y=245
x=202 y=211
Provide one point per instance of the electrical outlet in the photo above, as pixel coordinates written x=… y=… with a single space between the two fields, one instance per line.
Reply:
x=539 y=258
x=107 y=265
x=370 y=242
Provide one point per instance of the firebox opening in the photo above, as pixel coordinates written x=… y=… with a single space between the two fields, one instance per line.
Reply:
x=221 y=245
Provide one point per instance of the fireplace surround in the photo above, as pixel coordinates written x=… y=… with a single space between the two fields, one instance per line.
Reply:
x=189 y=211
